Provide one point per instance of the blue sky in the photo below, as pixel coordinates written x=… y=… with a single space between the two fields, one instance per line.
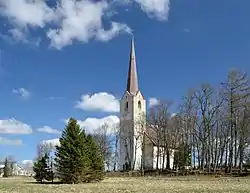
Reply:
x=71 y=61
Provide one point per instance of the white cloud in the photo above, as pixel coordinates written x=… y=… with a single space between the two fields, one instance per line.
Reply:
x=72 y=20
x=18 y=34
x=82 y=20
x=115 y=29
x=51 y=143
x=99 y=101
x=153 y=101
x=27 y=162
x=5 y=141
x=28 y=165
x=47 y=129
x=25 y=13
x=92 y=124
x=22 y=92
x=155 y=8
x=12 y=126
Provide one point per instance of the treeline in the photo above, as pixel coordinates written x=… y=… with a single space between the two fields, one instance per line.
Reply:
x=77 y=158
x=214 y=123
x=211 y=126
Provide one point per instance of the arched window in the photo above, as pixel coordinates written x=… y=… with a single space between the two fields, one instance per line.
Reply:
x=139 y=104
x=126 y=108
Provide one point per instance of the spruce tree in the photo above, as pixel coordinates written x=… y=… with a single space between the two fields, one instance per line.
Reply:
x=72 y=160
x=41 y=168
x=50 y=172
x=6 y=170
x=97 y=163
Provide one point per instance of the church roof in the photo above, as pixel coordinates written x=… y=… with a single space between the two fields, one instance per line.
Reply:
x=132 y=82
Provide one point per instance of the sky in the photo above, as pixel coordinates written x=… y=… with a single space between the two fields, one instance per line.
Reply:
x=67 y=58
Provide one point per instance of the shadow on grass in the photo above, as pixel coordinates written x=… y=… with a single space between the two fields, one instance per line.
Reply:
x=45 y=183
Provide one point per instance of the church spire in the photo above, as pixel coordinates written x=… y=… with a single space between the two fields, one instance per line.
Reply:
x=132 y=83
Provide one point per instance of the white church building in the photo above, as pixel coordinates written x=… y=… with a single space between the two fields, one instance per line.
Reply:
x=137 y=147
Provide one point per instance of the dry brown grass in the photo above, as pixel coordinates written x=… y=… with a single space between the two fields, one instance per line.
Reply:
x=129 y=185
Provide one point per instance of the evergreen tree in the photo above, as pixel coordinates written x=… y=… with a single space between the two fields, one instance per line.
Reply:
x=50 y=172
x=97 y=163
x=6 y=170
x=72 y=156
x=41 y=168
x=183 y=156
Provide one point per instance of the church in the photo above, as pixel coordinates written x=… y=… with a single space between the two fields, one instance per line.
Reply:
x=137 y=147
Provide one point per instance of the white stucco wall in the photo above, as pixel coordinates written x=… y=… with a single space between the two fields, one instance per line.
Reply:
x=148 y=156
x=160 y=159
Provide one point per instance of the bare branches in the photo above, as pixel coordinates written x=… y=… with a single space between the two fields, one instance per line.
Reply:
x=213 y=122
x=104 y=142
x=43 y=148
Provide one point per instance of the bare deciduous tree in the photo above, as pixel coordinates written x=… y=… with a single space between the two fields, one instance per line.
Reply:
x=43 y=148
x=159 y=131
x=102 y=136
x=237 y=92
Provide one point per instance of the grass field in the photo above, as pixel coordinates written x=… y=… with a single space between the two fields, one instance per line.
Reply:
x=129 y=185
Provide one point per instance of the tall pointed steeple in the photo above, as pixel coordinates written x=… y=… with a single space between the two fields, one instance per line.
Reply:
x=132 y=83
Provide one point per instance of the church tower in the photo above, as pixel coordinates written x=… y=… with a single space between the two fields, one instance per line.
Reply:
x=132 y=111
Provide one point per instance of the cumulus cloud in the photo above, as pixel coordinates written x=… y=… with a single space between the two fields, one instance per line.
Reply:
x=51 y=143
x=13 y=126
x=27 y=162
x=25 y=13
x=82 y=20
x=153 y=101
x=47 y=129
x=22 y=92
x=92 y=124
x=6 y=141
x=155 y=8
x=18 y=34
x=28 y=165
x=99 y=101
x=71 y=20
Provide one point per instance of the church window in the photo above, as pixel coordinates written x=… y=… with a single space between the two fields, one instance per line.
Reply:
x=139 y=104
x=126 y=108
